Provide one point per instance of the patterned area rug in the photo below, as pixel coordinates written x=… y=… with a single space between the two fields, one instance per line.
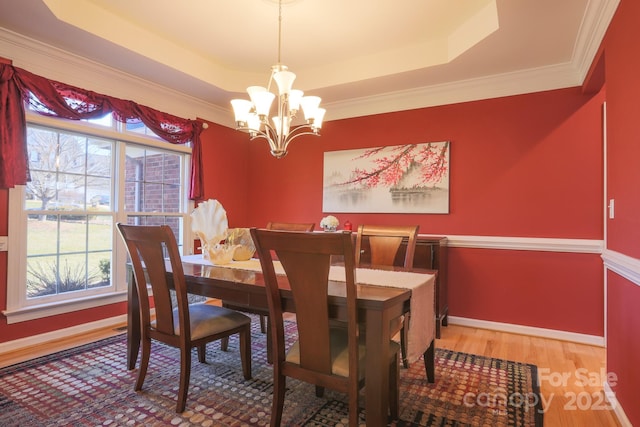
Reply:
x=90 y=386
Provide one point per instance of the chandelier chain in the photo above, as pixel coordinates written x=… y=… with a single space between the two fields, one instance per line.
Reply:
x=279 y=30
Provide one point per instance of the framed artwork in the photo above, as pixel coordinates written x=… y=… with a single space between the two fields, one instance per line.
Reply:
x=412 y=178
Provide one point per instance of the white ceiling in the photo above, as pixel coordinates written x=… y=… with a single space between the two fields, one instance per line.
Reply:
x=360 y=56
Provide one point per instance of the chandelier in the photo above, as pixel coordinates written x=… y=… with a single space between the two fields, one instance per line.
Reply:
x=253 y=116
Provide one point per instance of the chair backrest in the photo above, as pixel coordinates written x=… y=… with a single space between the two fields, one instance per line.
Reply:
x=291 y=226
x=147 y=247
x=385 y=241
x=306 y=259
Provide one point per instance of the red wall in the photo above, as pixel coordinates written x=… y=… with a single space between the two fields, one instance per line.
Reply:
x=623 y=345
x=561 y=291
x=528 y=166
x=622 y=68
x=226 y=171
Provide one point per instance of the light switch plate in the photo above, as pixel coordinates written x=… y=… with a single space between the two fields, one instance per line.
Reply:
x=612 y=214
x=3 y=243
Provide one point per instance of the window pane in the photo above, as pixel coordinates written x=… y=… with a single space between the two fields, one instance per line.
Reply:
x=172 y=169
x=106 y=121
x=139 y=128
x=99 y=194
x=41 y=276
x=42 y=235
x=154 y=181
x=175 y=222
x=172 y=198
x=73 y=234
x=70 y=192
x=41 y=145
x=152 y=197
x=71 y=153
x=100 y=233
x=99 y=155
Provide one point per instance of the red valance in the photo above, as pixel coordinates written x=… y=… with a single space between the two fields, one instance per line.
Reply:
x=56 y=99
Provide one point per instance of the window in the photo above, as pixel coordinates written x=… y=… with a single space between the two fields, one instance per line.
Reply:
x=85 y=177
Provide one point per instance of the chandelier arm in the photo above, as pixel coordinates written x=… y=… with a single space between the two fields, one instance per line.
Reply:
x=270 y=135
x=294 y=135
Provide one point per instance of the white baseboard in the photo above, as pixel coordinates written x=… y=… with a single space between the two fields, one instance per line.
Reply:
x=528 y=330
x=617 y=408
x=27 y=342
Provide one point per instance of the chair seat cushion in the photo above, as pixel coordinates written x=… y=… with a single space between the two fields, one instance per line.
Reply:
x=340 y=353
x=207 y=319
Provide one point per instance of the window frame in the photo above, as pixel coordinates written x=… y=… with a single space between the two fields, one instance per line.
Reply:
x=18 y=310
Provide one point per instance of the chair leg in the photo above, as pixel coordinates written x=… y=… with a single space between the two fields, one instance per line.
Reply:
x=429 y=362
x=279 y=387
x=202 y=353
x=185 y=373
x=263 y=324
x=394 y=388
x=224 y=343
x=144 y=362
x=269 y=346
x=319 y=391
x=245 y=352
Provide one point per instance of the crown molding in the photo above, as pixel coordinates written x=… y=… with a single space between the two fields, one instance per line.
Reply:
x=597 y=17
x=56 y=64
x=495 y=86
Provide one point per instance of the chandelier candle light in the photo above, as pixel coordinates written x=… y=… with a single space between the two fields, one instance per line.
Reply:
x=253 y=116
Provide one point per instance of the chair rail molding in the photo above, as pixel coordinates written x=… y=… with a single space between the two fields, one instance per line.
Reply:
x=624 y=265
x=526 y=243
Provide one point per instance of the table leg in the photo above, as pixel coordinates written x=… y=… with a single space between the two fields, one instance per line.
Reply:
x=133 y=322
x=377 y=369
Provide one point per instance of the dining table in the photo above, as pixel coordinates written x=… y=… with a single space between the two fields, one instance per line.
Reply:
x=242 y=283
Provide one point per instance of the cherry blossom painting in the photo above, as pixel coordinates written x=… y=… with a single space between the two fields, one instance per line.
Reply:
x=412 y=178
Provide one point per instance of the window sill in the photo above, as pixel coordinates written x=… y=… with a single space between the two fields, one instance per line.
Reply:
x=45 y=310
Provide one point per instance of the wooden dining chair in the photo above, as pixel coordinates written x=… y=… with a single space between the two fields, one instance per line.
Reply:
x=384 y=242
x=185 y=326
x=322 y=355
x=286 y=226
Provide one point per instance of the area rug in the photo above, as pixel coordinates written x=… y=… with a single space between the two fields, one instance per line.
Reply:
x=90 y=386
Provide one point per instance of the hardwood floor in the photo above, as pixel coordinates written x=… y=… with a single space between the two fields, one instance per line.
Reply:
x=13 y=357
x=571 y=383
x=571 y=375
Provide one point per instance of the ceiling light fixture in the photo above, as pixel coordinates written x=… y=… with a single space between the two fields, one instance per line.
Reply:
x=253 y=116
